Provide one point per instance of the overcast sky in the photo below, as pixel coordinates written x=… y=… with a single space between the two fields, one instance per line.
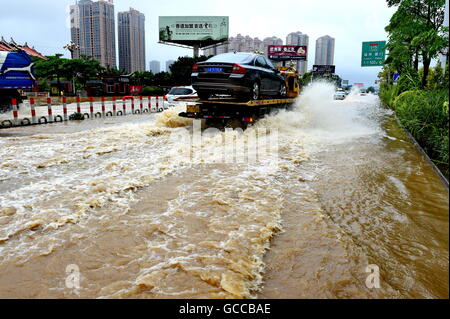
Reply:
x=45 y=24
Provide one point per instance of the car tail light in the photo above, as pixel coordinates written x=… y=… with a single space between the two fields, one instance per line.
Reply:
x=238 y=69
x=195 y=68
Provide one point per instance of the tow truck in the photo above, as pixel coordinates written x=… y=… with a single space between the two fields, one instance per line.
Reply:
x=231 y=112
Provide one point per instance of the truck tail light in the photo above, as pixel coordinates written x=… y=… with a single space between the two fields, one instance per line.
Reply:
x=195 y=68
x=237 y=69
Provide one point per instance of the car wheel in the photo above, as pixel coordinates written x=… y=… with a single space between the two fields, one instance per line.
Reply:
x=283 y=90
x=254 y=91
x=203 y=95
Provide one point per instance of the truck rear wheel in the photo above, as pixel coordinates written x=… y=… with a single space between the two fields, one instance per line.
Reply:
x=235 y=123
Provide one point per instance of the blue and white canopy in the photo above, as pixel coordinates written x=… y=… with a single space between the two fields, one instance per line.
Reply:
x=16 y=70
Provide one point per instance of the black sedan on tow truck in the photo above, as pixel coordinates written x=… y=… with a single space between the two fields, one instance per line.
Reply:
x=242 y=75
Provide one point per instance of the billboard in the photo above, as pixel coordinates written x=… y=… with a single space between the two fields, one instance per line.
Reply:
x=287 y=52
x=373 y=53
x=16 y=70
x=201 y=31
x=323 y=69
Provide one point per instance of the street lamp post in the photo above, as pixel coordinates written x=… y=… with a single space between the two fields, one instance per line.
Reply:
x=72 y=47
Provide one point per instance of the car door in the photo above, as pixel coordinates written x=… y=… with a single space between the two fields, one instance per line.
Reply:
x=263 y=72
x=275 y=82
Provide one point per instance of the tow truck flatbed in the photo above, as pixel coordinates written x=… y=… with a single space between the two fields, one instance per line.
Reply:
x=226 y=109
x=236 y=102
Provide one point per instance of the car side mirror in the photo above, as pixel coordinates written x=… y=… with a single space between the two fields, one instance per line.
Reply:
x=276 y=71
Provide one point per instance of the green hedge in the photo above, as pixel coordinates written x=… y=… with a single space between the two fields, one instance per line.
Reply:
x=425 y=115
x=152 y=91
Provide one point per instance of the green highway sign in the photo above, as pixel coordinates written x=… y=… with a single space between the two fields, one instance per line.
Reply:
x=373 y=53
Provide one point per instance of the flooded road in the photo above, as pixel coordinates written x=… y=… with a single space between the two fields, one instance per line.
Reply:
x=344 y=189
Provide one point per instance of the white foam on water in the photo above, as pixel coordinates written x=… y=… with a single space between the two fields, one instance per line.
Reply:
x=58 y=180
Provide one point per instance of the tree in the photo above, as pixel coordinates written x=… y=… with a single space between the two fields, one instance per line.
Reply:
x=306 y=79
x=142 y=78
x=416 y=33
x=436 y=78
x=51 y=68
x=182 y=68
x=386 y=74
x=164 y=79
x=76 y=70
x=112 y=72
x=82 y=70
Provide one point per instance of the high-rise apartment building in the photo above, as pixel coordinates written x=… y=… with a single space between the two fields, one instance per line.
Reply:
x=168 y=64
x=131 y=25
x=271 y=41
x=298 y=38
x=93 y=30
x=324 y=51
x=155 y=66
x=238 y=43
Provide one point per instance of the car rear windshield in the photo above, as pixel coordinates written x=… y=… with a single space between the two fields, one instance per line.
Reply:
x=180 y=91
x=232 y=58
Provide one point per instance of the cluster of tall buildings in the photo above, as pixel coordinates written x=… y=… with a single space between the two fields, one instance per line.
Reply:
x=155 y=66
x=93 y=33
x=324 y=54
x=298 y=38
x=324 y=51
x=131 y=41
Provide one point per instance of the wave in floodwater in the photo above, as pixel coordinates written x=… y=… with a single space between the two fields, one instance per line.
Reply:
x=138 y=220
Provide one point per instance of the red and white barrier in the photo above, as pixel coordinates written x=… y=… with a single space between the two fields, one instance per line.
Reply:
x=64 y=100
x=103 y=106
x=78 y=105
x=15 y=111
x=49 y=108
x=33 y=111
x=153 y=106
x=91 y=107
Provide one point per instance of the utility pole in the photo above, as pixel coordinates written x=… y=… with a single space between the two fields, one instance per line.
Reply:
x=196 y=50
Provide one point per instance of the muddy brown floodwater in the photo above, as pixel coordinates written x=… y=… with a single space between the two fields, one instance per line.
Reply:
x=120 y=202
